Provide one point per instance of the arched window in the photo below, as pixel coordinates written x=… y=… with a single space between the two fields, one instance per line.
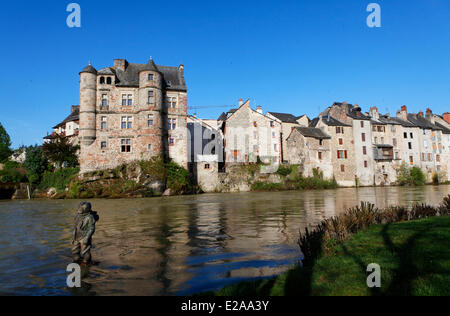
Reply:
x=108 y=80
x=102 y=80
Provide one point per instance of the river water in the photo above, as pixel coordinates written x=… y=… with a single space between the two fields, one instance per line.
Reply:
x=176 y=245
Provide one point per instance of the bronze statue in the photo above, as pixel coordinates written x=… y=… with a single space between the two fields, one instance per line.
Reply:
x=84 y=229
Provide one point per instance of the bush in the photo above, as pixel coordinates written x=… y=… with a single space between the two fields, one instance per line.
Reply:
x=284 y=171
x=435 y=178
x=413 y=176
x=58 y=179
x=261 y=186
x=417 y=176
x=12 y=173
x=35 y=163
x=178 y=178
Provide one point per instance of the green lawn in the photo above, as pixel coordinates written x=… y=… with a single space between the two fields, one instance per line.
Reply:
x=414 y=258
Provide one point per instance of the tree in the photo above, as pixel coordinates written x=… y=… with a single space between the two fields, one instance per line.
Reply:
x=5 y=144
x=60 y=151
x=35 y=163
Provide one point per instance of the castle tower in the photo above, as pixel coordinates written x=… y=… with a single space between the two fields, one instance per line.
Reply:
x=88 y=100
x=151 y=96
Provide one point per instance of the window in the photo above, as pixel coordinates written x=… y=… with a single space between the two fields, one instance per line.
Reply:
x=321 y=142
x=103 y=145
x=342 y=168
x=171 y=141
x=102 y=80
x=375 y=140
x=172 y=102
x=127 y=99
x=393 y=128
x=149 y=147
x=274 y=135
x=429 y=157
x=410 y=145
x=127 y=122
x=438 y=158
x=126 y=145
x=150 y=97
x=272 y=124
x=108 y=80
x=104 y=100
x=150 y=77
x=405 y=135
x=342 y=154
x=411 y=135
x=397 y=155
x=255 y=124
x=364 y=150
x=104 y=120
x=320 y=155
x=150 y=120
x=207 y=166
x=339 y=130
x=366 y=165
x=341 y=141
x=363 y=136
x=172 y=124
x=362 y=124
x=394 y=142
x=411 y=160
x=275 y=147
x=423 y=157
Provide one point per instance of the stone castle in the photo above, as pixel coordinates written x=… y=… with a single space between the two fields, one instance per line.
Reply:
x=131 y=112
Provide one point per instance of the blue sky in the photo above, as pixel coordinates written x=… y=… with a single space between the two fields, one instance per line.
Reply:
x=287 y=56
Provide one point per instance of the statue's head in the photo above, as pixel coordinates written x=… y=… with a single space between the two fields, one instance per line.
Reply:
x=84 y=208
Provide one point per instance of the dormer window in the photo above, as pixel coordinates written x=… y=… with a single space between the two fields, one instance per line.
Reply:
x=102 y=80
x=108 y=80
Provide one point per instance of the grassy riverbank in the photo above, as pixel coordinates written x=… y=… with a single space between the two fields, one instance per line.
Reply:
x=414 y=257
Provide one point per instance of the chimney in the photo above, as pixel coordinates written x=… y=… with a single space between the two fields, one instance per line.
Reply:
x=241 y=102
x=430 y=116
x=403 y=113
x=429 y=112
x=181 y=69
x=374 y=112
x=420 y=113
x=120 y=64
x=259 y=110
x=446 y=117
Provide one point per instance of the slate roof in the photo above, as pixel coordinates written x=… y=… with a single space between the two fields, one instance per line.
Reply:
x=422 y=122
x=89 y=69
x=285 y=117
x=224 y=115
x=445 y=130
x=74 y=116
x=354 y=111
x=328 y=120
x=312 y=132
x=173 y=79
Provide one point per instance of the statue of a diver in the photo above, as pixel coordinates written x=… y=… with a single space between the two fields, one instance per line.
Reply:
x=84 y=229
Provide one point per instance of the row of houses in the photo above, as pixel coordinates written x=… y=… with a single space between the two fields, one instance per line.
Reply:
x=132 y=111
x=344 y=143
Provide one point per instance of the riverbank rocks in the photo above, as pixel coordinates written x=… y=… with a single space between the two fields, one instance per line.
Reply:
x=51 y=192
x=21 y=192
x=168 y=192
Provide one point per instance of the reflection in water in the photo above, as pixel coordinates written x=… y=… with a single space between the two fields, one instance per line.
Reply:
x=173 y=246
